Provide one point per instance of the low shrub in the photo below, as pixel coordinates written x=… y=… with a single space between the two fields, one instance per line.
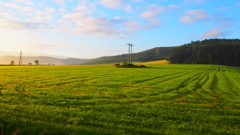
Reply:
x=128 y=65
x=116 y=65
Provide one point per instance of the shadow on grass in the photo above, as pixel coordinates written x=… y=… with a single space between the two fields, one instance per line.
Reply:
x=1 y=88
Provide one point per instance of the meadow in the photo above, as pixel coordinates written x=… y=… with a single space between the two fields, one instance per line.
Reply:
x=99 y=100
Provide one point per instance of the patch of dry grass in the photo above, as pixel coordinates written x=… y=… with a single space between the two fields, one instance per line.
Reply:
x=159 y=62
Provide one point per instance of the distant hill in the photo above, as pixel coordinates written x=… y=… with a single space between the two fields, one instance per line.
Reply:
x=43 y=60
x=158 y=53
x=211 y=51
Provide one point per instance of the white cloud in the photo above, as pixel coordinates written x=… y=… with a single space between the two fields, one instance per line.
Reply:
x=153 y=10
x=81 y=18
x=193 y=16
x=83 y=24
x=19 y=15
x=128 y=8
x=50 y=10
x=117 y=4
x=9 y=5
x=27 y=2
x=6 y=16
x=85 y=7
x=60 y=2
x=114 y=4
x=36 y=15
x=212 y=33
x=148 y=14
x=221 y=29
x=187 y=19
x=14 y=25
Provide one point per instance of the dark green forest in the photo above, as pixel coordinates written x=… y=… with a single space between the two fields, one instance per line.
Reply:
x=209 y=51
x=158 y=53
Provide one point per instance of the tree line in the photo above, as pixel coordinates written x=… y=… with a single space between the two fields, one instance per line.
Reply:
x=209 y=51
x=13 y=63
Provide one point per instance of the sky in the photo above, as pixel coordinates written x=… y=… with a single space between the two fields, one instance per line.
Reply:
x=95 y=28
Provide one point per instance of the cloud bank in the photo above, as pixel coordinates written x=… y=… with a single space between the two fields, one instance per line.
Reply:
x=91 y=17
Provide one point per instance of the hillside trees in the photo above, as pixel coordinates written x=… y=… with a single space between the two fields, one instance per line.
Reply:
x=212 y=51
x=158 y=53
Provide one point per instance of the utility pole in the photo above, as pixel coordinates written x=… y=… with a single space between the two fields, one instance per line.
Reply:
x=20 y=58
x=128 y=52
x=131 y=53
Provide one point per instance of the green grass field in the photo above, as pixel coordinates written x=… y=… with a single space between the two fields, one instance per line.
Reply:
x=160 y=99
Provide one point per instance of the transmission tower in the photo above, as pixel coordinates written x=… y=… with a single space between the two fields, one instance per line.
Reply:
x=20 y=58
x=130 y=53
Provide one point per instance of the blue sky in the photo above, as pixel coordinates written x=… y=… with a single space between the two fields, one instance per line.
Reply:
x=95 y=28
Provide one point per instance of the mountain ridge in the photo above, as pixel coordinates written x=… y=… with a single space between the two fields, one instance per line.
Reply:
x=43 y=60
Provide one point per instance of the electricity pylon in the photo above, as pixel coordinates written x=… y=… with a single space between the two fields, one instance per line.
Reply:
x=20 y=58
x=130 y=53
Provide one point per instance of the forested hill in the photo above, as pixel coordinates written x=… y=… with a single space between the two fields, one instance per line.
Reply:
x=212 y=51
x=158 y=53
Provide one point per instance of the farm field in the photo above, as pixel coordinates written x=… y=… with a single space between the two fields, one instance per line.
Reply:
x=160 y=99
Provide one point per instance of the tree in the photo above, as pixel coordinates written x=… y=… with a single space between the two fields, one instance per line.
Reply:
x=12 y=63
x=36 y=62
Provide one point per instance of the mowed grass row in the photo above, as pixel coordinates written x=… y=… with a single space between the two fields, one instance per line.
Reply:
x=160 y=99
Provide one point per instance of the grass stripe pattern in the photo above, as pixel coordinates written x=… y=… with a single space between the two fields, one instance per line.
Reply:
x=160 y=99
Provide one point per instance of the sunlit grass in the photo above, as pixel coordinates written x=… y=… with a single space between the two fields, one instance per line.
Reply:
x=160 y=62
x=160 y=99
